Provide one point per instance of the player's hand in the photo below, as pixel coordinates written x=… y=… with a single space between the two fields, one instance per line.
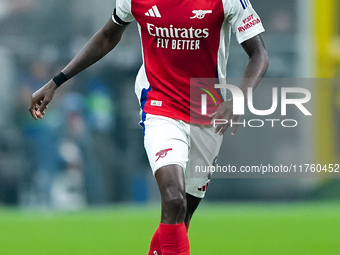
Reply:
x=225 y=111
x=41 y=98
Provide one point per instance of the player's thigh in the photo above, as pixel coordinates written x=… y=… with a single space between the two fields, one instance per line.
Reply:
x=171 y=183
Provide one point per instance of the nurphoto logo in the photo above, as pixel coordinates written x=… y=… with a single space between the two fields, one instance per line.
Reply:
x=289 y=96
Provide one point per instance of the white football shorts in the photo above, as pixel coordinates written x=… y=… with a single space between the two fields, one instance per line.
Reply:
x=169 y=141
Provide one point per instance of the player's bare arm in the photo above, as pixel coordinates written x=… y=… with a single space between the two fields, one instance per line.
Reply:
x=256 y=68
x=96 y=48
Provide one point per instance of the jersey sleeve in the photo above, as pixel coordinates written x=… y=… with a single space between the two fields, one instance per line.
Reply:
x=244 y=21
x=122 y=13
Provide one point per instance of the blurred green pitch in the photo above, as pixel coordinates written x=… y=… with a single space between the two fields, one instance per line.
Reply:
x=236 y=229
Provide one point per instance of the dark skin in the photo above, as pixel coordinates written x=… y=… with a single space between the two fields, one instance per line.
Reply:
x=177 y=206
x=96 y=48
x=255 y=69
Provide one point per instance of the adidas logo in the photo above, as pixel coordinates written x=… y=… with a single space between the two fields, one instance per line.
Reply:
x=153 y=12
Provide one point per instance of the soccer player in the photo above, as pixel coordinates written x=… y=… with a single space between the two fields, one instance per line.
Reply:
x=180 y=40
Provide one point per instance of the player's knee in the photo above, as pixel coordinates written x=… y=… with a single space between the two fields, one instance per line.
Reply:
x=175 y=206
x=179 y=203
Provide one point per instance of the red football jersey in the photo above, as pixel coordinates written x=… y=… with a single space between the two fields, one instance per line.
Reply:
x=182 y=40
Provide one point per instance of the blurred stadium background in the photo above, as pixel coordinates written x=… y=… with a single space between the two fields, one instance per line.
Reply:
x=87 y=155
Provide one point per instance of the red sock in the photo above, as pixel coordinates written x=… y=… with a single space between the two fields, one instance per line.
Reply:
x=155 y=248
x=173 y=239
